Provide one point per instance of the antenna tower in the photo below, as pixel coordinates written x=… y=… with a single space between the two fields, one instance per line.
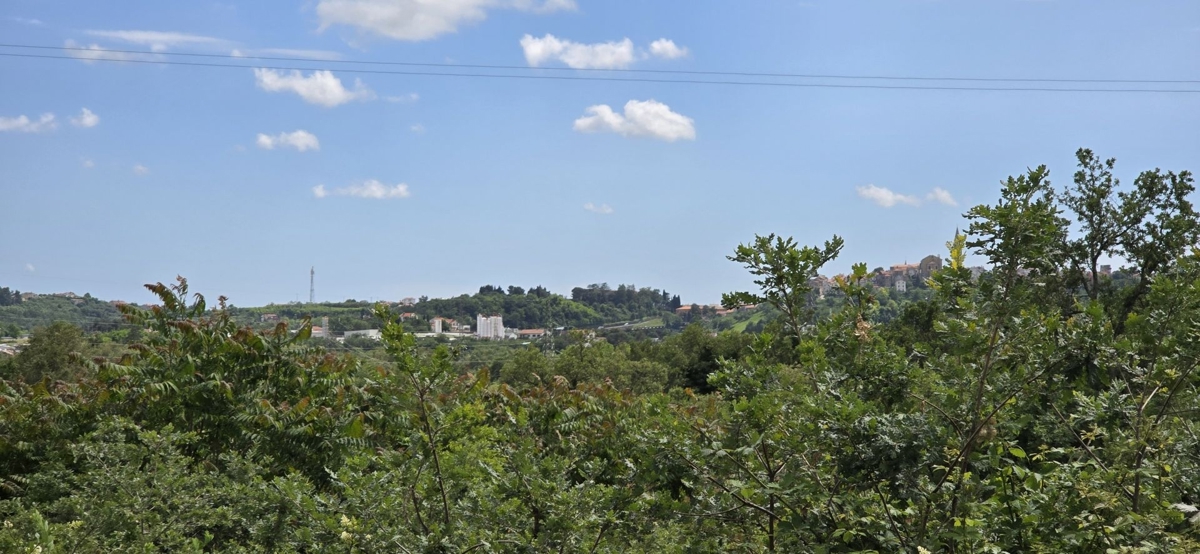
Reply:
x=312 y=280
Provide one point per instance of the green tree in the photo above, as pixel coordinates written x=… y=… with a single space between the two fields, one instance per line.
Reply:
x=48 y=354
x=783 y=272
x=527 y=367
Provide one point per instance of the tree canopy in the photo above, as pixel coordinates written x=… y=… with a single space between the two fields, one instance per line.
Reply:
x=1037 y=407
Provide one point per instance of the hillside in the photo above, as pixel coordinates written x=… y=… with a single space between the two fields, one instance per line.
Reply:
x=88 y=313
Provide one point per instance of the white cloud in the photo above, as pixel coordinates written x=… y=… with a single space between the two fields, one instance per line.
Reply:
x=941 y=195
x=140 y=169
x=29 y=268
x=666 y=49
x=642 y=118
x=87 y=164
x=86 y=119
x=885 y=197
x=417 y=128
x=23 y=124
x=92 y=52
x=603 y=209
x=158 y=41
x=300 y=53
x=299 y=139
x=601 y=55
x=367 y=189
x=417 y=20
x=409 y=98
x=319 y=87
x=28 y=21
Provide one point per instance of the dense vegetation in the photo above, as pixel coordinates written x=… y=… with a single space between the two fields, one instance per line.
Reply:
x=626 y=302
x=86 y=312
x=535 y=308
x=9 y=297
x=1039 y=408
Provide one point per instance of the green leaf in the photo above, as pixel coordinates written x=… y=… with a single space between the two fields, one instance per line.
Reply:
x=1016 y=451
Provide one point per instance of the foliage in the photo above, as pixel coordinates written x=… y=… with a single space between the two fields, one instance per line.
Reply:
x=1030 y=409
x=48 y=354
x=9 y=297
x=85 y=312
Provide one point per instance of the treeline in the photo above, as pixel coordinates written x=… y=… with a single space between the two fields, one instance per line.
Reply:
x=89 y=313
x=522 y=309
x=626 y=302
x=1037 y=408
x=8 y=296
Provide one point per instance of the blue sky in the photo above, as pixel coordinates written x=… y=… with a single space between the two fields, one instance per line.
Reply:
x=437 y=185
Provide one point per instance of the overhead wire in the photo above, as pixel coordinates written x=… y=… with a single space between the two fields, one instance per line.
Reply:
x=607 y=78
x=599 y=69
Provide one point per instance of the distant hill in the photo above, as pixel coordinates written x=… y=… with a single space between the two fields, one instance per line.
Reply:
x=536 y=307
x=88 y=313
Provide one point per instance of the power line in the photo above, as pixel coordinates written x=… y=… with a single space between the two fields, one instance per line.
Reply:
x=612 y=70
x=614 y=79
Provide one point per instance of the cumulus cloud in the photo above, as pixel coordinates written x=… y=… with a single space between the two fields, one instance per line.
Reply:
x=409 y=98
x=642 y=118
x=299 y=139
x=367 y=189
x=23 y=124
x=140 y=169
x=319 y=87
x=601 y=55
x=666 y=49
x=416 y=20
x=885 y=197
x=158 y=41
x=942 y=196
x=86 y=119
x=603 y=209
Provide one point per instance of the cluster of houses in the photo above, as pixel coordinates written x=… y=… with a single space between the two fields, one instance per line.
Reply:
x=897 y=277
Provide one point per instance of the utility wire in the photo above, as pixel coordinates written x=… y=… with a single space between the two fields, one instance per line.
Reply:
x=615 y=79
x=621 y=70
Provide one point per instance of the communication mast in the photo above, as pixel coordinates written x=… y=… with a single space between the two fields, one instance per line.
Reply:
x=312 y=289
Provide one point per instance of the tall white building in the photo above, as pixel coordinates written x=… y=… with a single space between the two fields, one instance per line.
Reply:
x=436 y=325
x=489 y=327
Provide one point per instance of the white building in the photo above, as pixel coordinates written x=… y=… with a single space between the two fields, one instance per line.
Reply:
x=489 y=327
x=901 y=285
x=435 y=325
